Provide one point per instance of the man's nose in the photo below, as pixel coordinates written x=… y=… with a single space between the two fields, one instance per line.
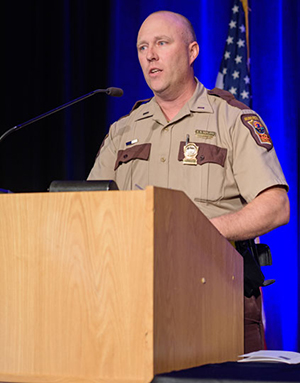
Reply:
x=151 y=53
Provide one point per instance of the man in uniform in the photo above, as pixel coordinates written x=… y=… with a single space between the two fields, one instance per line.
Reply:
x=203 y=142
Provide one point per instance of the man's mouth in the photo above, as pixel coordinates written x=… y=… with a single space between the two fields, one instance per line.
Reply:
x=154 y=70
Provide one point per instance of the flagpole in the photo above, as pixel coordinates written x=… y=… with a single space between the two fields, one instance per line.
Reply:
x=246 y=11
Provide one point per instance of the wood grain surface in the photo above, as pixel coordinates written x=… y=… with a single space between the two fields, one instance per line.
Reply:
x=113 y=287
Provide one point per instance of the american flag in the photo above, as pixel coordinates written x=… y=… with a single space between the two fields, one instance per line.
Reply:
x=234 y=74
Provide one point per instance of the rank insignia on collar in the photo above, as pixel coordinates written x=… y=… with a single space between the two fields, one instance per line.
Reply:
x=204 y=133
x=258 y=130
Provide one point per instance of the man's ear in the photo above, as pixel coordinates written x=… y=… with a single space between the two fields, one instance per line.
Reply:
x=194 y=51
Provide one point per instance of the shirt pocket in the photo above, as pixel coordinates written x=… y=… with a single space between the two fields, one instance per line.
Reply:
x=137 y=152
x=209 y=174
x=207 y=153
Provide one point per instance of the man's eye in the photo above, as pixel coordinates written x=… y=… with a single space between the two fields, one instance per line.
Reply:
x=142 y=48
x=161 y=43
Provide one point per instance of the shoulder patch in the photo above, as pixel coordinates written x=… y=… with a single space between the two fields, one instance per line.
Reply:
x=258 y=130
x=228 y=97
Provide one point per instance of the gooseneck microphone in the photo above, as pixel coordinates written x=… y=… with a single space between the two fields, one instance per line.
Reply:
x=114 y=92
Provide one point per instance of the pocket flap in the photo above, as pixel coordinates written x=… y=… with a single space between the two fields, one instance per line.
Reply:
x=207 y=153
x=137 y=152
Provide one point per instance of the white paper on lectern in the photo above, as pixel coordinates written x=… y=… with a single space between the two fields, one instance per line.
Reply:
x=269 y=356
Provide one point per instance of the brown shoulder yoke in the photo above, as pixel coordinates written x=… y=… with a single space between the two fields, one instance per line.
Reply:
x=228 y=97
x=135 y=106
x=139 y=103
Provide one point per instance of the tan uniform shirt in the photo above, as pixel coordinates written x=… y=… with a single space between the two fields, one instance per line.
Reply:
x=235 y=160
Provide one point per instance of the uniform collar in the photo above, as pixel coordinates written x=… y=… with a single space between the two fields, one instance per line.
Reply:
x=151 y=109
x=145 y=111
x=198 y=103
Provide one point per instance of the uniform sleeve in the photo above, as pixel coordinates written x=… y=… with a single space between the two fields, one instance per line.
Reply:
x=254 y=160
x=103 y=168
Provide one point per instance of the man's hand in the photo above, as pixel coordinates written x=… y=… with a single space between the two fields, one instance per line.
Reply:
x=269 y=210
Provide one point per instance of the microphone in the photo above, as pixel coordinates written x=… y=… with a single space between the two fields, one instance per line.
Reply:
x=114 y=92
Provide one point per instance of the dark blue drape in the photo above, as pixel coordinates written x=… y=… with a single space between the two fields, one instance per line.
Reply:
x=52 y=52
x=274 y=49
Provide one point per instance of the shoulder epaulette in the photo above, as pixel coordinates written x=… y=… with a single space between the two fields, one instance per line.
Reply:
x=135 y=106
x=228 y=97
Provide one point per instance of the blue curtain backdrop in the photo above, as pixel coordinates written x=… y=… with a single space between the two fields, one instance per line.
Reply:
x=55 y=51
x=274 y=49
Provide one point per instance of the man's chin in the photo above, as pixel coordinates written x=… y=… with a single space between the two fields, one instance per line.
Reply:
x=158 y=90
x=156 y=86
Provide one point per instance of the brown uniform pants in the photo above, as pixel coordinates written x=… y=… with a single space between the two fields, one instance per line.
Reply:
x=253 y=327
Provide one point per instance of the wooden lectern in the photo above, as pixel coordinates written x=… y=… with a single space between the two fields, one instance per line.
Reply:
x=114 y=286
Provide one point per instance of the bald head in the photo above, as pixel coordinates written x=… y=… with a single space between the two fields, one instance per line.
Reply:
x=186 y=27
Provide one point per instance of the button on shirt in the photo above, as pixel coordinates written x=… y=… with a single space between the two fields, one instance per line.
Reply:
x=143 y=149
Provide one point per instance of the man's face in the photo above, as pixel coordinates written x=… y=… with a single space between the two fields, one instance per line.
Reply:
x=164 y=54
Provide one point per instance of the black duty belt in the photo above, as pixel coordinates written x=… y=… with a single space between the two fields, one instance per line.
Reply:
x=255 y=255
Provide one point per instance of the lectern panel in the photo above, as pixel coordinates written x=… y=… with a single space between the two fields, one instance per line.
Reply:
x=74 y=300
x=113 y=286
